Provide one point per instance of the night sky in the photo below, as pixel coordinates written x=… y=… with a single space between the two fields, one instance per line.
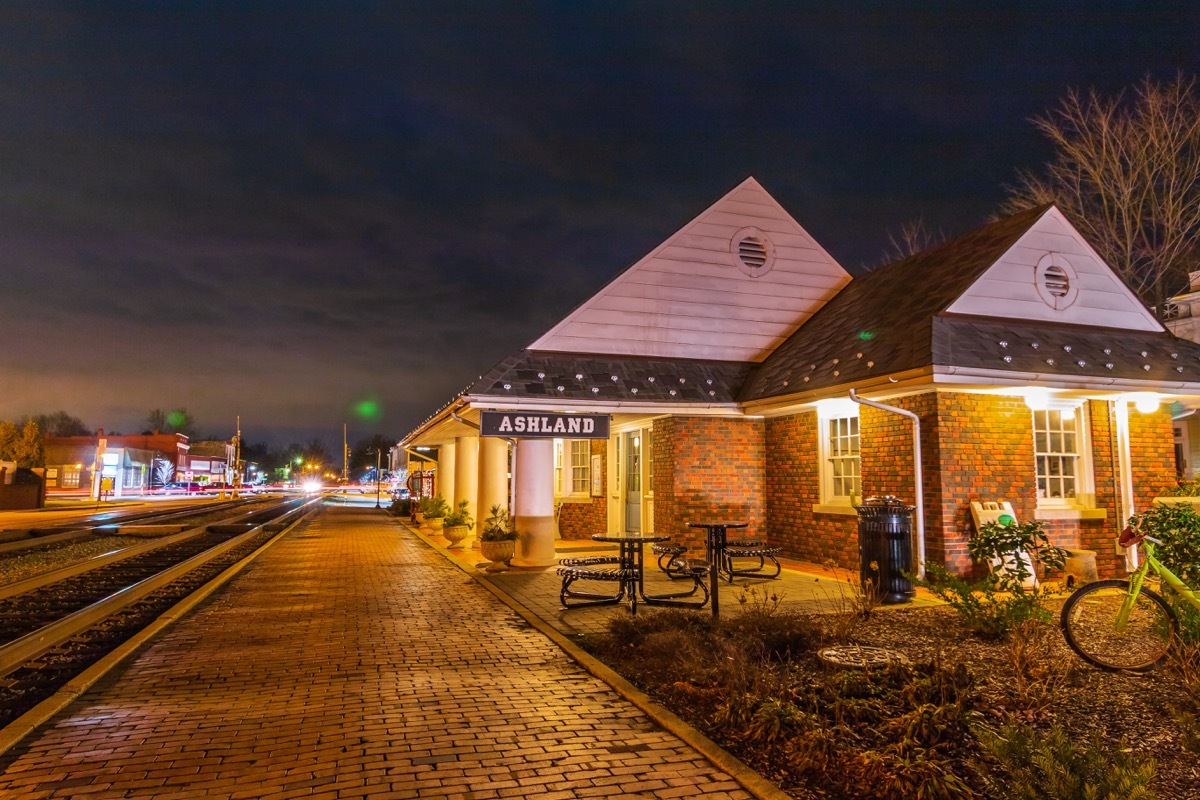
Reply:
x=282 y=210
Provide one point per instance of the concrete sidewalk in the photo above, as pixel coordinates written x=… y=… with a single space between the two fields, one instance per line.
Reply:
x=350 y=660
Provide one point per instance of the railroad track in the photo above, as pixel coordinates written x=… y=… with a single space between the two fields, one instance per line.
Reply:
x=51 y=631
x=48 y=537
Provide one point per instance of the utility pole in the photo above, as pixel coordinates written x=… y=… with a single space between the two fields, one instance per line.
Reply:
x=237 y=456
x=345 y=456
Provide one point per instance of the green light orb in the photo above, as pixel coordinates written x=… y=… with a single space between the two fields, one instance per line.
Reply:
x=866 y=336
x=368 y=409
x=176 y=418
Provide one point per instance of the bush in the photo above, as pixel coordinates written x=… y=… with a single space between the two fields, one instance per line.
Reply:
x=401 y=508
x=1005 y=544
x=434 y=507
x=1049 y=766
x=989 y=606
x=1178 y=526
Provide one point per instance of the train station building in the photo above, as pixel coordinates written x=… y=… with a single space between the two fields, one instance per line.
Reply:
x=742 y=373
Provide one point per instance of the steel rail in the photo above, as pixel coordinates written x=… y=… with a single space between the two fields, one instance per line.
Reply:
x=34 y=644
x=73 y=531
x=71 y=570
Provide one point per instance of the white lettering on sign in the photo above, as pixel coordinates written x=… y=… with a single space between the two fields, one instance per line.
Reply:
x=589 y=425
x=533 y=424
x=573 y=425
x=505 y=425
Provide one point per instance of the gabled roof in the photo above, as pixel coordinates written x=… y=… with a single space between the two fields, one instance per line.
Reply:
x=902 y=317
x=730 y=285
x=882 y=322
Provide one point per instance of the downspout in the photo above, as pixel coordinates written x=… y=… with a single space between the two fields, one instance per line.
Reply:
x=1125 y=480
x=919 y=485
x=512 y=488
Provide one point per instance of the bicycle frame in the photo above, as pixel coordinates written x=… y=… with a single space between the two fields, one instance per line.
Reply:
x=1139 y=576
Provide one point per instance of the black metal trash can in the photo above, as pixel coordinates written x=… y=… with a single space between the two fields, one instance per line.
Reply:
x=885 y=547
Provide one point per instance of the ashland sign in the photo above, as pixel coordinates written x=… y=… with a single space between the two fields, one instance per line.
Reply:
x=542 y=425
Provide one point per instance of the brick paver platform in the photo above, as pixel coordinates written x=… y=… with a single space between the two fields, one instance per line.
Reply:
x=349 y=661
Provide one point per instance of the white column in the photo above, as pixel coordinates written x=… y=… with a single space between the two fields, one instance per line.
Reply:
x=534 y=513
x=466 y=474
x=445 y=472
x=493 y=476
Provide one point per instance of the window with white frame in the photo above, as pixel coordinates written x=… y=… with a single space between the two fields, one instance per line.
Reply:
x=581 y=466
x=1062 y=456
x=840 y=453
x=572 y=467
x=1056 y=450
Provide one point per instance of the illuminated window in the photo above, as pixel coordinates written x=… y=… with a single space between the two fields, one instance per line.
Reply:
x=572 y=466
x=1056 y=454
x=841 y=459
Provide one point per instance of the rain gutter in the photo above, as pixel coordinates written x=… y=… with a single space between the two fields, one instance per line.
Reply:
x=919 y=485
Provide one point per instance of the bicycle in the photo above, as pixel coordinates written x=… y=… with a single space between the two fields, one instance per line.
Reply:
x=1122 y=624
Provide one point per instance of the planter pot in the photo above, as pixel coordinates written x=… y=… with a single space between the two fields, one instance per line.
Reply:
x=435 y=523
x=499 y=553
x=419 y=518
x=456 y=534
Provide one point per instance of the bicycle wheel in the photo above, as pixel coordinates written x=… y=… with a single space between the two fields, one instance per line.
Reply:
x=1089 y=625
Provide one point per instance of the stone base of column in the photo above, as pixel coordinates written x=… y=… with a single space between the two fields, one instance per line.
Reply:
x=535 y=544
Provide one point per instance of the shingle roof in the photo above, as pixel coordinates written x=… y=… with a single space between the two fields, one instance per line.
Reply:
x=550 y=375
x=882 y=322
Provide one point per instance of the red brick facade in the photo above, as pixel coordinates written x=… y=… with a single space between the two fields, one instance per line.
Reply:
x=973 y=447
x=579 y=520
x=705 y=468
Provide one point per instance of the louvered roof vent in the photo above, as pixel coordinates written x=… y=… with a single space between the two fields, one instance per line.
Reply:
x=1056 y=281
x=753 y=252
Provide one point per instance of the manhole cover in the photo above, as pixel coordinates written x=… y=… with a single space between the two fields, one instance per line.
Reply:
x=860 y=656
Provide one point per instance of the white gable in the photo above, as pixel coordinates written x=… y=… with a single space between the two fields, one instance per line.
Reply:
x=695 y=297
x=1052 y=274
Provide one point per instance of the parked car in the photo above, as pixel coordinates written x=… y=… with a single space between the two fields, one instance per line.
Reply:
x=187 y=487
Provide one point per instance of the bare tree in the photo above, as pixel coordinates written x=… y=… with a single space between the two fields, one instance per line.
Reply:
x=913 y=238
x=60 y=423
x=1127 y=174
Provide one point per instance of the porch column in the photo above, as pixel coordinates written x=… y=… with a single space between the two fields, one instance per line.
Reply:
x=466 y=473
x=534 y=510
x=493 y=476
x=444 y=485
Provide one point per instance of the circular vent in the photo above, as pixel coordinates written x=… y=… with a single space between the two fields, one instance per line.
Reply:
x=1056 y=281
x=753 y=252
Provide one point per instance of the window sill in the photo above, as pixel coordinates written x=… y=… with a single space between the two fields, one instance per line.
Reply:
x=831 y=508
x=1070 y=513
x=574 y=498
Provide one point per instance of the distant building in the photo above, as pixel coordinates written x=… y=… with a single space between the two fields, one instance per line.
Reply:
x=117 y=465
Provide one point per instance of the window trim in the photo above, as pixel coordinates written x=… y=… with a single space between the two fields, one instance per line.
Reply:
x=1085 y=491
x=826 y=413
x=565 y=470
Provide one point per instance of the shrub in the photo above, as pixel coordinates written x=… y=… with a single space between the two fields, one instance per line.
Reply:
x=459 y=516
x=401 y=508
x=434 y=507
x=1004 y=545
x=498 y=527
x=1038 y=675
x=989 y=606
x=1178 y=526
x=1049 y=766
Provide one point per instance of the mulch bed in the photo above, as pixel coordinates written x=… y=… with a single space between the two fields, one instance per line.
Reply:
x=1126 y=710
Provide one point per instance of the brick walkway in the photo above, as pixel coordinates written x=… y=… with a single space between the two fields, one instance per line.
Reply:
x=349 y=661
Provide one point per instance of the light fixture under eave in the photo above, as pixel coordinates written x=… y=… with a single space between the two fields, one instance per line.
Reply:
x=1037 y=399
x=1145 y=402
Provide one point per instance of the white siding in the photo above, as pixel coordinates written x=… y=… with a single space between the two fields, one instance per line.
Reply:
x=1008 y=288
x=689 y=298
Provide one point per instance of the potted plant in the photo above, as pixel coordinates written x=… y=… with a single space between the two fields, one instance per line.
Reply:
x=498 y=539
x=435 y=510
x=457 y=525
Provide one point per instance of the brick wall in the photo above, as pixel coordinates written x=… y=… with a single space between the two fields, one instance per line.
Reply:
x=581 y=520
x=705 y=468
x=791 y=492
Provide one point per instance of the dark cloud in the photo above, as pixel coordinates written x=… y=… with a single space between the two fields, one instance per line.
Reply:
x=278 y=210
